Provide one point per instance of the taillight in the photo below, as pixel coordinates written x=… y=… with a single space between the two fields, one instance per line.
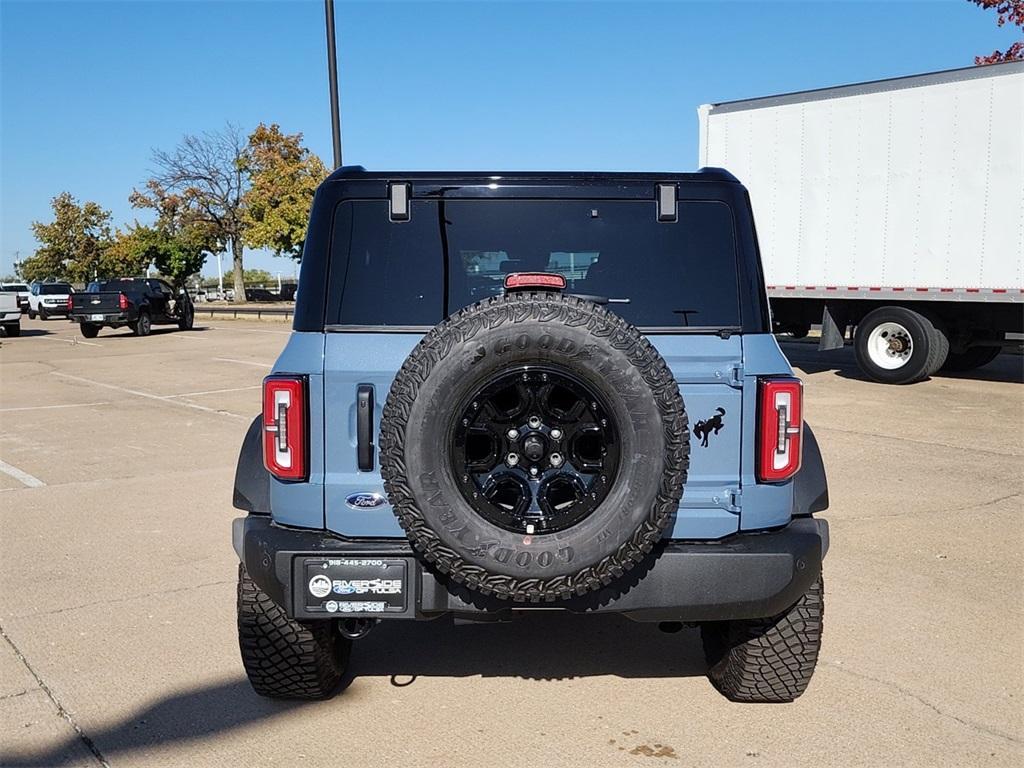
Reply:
x=285 y=427
x=122 y=302
x=780 y=429
x=70 y=307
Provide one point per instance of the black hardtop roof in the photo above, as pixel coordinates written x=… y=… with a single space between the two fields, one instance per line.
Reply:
x=359 y=173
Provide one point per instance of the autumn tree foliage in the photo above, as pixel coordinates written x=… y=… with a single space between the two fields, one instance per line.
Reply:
x=180 y=239
x=1008 y=12
x=77 y=245
x=283 y=176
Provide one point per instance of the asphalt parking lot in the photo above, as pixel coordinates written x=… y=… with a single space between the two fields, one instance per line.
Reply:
x=117 y=584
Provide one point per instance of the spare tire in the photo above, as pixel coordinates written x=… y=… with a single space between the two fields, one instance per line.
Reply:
x=534 y=447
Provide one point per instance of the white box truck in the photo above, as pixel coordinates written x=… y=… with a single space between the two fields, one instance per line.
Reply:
x=892 y=209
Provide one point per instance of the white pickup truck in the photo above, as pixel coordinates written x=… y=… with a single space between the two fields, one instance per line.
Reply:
x=10 y=313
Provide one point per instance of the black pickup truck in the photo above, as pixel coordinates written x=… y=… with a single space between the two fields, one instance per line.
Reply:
x=134 y=302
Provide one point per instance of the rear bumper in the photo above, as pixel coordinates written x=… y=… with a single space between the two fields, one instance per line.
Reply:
x=87 y=317
x=749 y=575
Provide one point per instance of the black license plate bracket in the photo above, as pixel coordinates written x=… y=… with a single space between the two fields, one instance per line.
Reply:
x=338 y=587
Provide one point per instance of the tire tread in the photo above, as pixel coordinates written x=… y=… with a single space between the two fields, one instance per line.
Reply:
x=284 y=658
x=767 y=660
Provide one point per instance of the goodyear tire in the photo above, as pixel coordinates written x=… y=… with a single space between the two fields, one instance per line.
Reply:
x=536 y=335
x=284 y=658
x=767 y=660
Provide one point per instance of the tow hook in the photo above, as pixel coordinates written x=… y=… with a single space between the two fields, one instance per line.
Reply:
x=353 y=629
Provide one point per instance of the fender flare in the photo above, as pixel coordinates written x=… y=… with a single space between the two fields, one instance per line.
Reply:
x=810 y=488
x=252 y=481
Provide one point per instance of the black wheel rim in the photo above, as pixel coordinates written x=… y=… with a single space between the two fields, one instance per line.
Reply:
x=535 y=450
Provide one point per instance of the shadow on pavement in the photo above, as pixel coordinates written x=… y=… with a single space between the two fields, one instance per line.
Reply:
x=545 y=647
x=189 y=716
x=157 y=330
x=555 y=646
x=1008 y=367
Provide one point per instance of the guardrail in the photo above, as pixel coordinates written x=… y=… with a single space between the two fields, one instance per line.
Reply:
x=284 y=312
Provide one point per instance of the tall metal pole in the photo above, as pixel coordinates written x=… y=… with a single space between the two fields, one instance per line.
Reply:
x=332 y=77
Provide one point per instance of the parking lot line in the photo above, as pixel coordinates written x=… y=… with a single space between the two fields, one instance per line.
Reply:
x=244 y=362
x=149 y=395
x=69 y=341
x=50 y=407
x=29 y=481
x=216 y=391
x=250 y=330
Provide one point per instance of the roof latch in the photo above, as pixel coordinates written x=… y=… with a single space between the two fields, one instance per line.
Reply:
x=398 y=196
x=666 y=202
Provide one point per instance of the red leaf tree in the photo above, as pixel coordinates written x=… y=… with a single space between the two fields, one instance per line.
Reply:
x=1009 y=11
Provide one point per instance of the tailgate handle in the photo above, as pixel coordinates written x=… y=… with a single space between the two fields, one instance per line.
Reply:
x=364 y=427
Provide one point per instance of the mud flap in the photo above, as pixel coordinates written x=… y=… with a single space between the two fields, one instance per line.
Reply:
x=831 y=333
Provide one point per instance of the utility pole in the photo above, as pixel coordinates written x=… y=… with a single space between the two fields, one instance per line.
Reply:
x=332 y=79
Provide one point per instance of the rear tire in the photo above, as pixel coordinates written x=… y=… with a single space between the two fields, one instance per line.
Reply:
x=89 y=330
x=188 y=318
x=767 y=660
x=31 y=314
x=895 y=345
x=13 y=329
x=284 y=658
x=974 y=357
x=143 y=325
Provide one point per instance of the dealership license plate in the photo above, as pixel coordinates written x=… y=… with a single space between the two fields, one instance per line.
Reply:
x=354 y=585
x=96 y=317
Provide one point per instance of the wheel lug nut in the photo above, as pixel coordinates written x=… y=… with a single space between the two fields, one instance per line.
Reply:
x=556 y=434
x=556 y=459
x=513 y=434
x=533 y=471
x=512 y=459
x=535 y=422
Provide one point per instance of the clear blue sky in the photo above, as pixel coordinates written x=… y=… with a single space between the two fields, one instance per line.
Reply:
x=88 y=89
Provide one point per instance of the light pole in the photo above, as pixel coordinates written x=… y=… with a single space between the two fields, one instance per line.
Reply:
x=332 y=79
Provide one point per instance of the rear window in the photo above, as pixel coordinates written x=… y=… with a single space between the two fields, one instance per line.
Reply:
x=54 y=288
x=456 y=252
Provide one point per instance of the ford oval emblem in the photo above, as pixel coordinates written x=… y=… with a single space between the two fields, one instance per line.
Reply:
x=365 y=500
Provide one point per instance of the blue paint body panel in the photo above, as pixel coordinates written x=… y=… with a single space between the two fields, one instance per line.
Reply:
x=302 y=504
x=764 y=505
x=353 y=359
x=721 y=495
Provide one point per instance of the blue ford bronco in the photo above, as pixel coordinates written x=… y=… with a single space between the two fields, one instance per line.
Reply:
x=523 y=391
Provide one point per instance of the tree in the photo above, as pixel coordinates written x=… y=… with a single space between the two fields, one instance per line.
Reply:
x=283 y=178
x=253 y=276
x=1011 y=11
x=177 y=256
x=74 y=246
x=178 y=243
x=205 y=176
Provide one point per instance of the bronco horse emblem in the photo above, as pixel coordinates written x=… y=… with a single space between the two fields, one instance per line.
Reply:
x=705 y=427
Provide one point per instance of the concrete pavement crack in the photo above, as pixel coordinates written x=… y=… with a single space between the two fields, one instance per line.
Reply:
x=926 y=512
x=972 y=449
x=13 y=695
x=86 y=741
x=978 y=727
x=116 y=600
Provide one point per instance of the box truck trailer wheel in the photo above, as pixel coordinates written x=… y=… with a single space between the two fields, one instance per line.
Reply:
x=896 y=345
